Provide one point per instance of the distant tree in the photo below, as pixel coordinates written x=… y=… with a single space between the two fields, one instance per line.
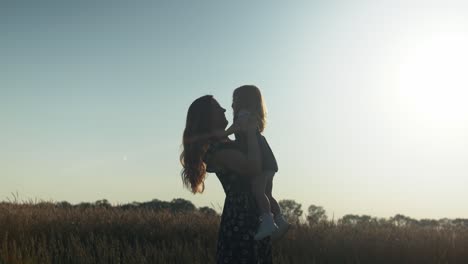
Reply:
x=131 y=205
x=428 y=223
x=349 y=219
x=155 y=204
x=181 y=205
x=103 y=203
x=316 y=214
x=207 y=210
x=460 y=222
x=367 y=219
x=84 y=205
x=445 y=222
x=63 y=204
x=382 y=221
x=291 y=210
x=402 y=220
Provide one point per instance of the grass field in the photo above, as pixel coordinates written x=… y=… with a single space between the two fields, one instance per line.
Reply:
x=47 y=233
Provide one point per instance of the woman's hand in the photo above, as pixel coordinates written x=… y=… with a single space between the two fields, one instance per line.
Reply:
x=218 y=134
x=232 y=129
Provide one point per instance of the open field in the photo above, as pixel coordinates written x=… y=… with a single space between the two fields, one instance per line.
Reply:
x=49 y=233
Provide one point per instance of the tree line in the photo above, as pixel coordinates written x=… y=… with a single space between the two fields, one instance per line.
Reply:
x=317 y=215
x=291 y=209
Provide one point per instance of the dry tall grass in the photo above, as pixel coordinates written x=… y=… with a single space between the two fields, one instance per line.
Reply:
x=45 y=233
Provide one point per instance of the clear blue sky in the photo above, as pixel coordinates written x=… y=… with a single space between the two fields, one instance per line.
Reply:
x=366 y=99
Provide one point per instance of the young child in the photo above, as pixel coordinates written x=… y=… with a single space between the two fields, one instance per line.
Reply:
x=247 y=101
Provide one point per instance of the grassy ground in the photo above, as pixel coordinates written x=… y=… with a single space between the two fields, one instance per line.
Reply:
x=44 y=233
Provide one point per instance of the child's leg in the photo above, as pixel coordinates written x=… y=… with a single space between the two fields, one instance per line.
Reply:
x=275 y=208
x=258 y=189
x=280 y=220
x=267 y=226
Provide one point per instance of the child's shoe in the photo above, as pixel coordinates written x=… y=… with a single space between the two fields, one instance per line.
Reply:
x=266 y=228
x=283 y=227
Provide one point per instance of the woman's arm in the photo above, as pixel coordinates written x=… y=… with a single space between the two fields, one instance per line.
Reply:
x=217 y=134
x=235 y=160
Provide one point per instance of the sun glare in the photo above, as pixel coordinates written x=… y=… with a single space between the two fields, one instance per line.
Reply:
x=432 y=87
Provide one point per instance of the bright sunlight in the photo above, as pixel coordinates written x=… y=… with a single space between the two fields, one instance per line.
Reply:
x=430 y=89
x=432 y=85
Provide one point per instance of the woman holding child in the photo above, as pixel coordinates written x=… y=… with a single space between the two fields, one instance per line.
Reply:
x=241 y=168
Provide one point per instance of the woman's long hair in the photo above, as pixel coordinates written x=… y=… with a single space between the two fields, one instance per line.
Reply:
x=198 y=122
x=250 y=98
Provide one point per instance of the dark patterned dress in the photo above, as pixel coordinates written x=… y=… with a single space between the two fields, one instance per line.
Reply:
x=239 y=220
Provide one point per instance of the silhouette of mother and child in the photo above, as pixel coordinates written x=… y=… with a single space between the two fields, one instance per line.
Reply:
x=245 y=167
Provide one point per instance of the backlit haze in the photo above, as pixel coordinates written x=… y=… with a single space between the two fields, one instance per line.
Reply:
x=366 y=100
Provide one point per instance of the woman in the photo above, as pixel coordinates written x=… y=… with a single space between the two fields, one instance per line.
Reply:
x=239 y=219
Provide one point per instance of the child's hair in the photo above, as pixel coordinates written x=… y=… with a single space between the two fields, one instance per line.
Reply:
x=250 y=98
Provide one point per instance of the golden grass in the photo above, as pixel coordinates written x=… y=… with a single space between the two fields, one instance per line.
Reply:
x=45 y=233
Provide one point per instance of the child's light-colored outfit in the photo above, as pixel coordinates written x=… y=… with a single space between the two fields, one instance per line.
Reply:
x=269 y=226
x=268 y=158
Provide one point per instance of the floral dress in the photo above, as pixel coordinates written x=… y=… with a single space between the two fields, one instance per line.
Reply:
x=239 y=220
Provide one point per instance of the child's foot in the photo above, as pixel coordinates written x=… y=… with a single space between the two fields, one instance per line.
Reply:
x=266 y=228
x=283 y=227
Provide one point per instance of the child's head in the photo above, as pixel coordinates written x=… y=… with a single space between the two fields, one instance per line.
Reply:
x=248 y=97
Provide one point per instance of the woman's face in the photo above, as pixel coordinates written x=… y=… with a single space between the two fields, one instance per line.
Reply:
x=218 y=118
